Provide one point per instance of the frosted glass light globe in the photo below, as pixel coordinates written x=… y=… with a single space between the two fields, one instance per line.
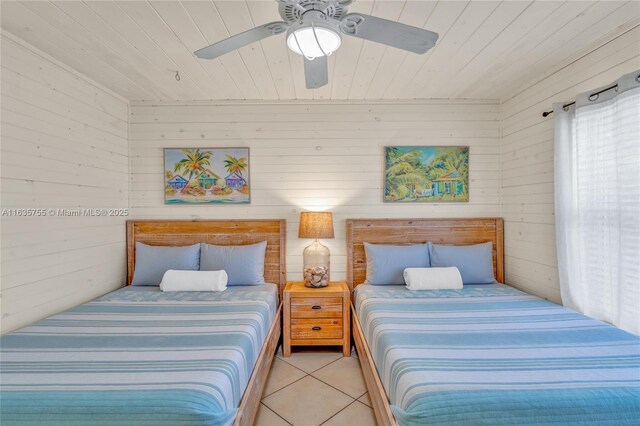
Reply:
x=305 y=43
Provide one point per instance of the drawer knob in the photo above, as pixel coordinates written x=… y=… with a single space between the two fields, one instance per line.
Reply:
x=316 y=307
x=316 y=328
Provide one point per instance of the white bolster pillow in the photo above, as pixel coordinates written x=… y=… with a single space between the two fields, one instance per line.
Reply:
x=433 y=278
x=174 y=280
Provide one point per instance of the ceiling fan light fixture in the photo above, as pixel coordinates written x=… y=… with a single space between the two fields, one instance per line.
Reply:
x=313 y=41
x=314 y=30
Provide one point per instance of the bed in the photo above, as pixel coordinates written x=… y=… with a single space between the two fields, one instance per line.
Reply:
x=138 y=356
x=486 y=354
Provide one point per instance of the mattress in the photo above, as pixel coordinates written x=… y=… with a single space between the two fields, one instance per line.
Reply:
x=137 y=356
x=491 y=354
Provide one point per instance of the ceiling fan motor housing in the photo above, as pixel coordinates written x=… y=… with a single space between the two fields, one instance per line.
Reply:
x=292 y=11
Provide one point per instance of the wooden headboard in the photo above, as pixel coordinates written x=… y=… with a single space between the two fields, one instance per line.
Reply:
x=415 y=231
x=219 y=232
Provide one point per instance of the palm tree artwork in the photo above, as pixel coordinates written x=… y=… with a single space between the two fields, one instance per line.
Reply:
x=235 y=165
x=196 y=175
x=426 y=174
x=194 y=163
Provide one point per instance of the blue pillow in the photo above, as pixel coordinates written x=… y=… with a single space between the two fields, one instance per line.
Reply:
x=244 y=264
x=153 y=261
x=386 y=263
x=475 y=262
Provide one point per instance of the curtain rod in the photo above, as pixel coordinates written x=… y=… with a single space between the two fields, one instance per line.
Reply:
x=615 y=86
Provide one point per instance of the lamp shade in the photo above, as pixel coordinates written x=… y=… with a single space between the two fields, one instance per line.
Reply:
x=316 y=225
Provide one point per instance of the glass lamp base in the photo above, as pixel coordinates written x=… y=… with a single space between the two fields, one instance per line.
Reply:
x=316 y=265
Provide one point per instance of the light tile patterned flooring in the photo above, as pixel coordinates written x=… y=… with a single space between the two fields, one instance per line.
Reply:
x=315 y=387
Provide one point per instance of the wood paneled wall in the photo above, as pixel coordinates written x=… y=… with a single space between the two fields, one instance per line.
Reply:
x=527 y=161
x=68 y=143
x=64 y=146
x=320 y=156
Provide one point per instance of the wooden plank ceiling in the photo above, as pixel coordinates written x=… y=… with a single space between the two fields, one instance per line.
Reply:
x=486 y=50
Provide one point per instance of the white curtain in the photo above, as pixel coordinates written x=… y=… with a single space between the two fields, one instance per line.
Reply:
x=597 y=203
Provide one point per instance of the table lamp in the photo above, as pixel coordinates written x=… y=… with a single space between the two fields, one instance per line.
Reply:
x=316 y=256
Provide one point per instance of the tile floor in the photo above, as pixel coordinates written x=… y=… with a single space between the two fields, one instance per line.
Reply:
x=315 y=387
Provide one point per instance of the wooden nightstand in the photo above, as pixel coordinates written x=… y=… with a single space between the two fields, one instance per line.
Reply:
x=317 y=316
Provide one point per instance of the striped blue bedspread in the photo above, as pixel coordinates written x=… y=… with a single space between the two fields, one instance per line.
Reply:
x=137 y=356
x=494 y=355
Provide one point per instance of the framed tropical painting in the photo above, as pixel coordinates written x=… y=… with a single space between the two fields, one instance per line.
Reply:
x=206 y=176
x=426 y=174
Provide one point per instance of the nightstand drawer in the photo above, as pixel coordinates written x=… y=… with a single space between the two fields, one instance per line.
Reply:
x=316 y=307
x=316 y=329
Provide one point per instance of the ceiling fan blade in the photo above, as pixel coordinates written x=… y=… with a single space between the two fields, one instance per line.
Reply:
x=387 y=32
x=240 y=40
x=316 y=72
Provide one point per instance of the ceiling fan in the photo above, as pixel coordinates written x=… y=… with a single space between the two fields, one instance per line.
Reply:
x=314 y=30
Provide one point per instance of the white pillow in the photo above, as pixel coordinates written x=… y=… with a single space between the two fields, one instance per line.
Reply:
x=433 y=278
x=174 y=280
